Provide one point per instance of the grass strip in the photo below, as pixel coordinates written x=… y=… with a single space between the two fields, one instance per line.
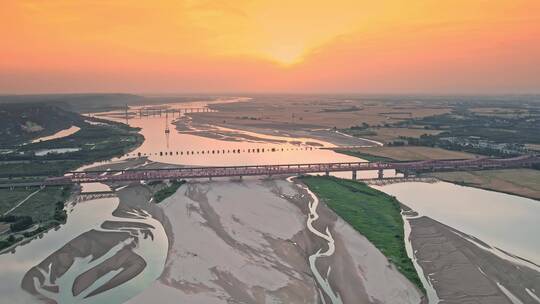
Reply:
x=374 y=214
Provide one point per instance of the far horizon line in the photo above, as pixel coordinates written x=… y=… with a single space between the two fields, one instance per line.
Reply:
x=239 y=94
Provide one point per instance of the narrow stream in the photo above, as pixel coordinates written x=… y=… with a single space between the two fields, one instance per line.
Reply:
x=327 y=236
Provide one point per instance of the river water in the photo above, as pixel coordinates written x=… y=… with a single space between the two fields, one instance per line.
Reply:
x=82 y=217
x=508 y=222
x=505 y=221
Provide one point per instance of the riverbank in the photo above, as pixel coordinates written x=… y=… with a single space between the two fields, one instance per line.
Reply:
x=520 y=182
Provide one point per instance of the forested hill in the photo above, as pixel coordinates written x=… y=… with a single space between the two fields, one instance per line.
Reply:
x=81 y=103
x=98 y=102
x=22 y=122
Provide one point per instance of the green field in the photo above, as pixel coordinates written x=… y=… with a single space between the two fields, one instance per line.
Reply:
x=45 y=208
x=374 y=214
x=41 y=206
x=9 y=198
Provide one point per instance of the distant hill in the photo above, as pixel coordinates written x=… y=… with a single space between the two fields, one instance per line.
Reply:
x=77 y=102
x=97 y=102
x=21 y=122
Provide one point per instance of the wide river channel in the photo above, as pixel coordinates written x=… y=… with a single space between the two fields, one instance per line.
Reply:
x=507 y=222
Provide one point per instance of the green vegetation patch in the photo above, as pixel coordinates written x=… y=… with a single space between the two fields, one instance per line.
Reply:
x=359 y=132
x=167 y=191
x=44 y=210
x=10 y=198
x=373 y=213
x=11 y=171
x=42 y=206
x=95 y=143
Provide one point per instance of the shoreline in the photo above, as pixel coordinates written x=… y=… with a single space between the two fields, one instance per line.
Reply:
x=476 y=186
x=465 y=270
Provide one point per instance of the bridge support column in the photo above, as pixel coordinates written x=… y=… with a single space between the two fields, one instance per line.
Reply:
x=380 y=174
x=327 y=173
x=354 y=175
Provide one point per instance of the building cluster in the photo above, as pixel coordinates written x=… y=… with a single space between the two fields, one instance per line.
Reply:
x=481 y=143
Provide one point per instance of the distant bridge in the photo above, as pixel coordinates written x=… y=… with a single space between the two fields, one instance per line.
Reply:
x=290 y=169
x=150 y=111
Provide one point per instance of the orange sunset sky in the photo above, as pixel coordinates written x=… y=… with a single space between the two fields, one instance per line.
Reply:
x=384 y=46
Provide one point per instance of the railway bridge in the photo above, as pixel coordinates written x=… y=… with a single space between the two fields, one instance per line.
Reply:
x=406 y=168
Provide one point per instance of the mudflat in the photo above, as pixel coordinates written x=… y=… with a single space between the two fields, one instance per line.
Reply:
x=462 y=269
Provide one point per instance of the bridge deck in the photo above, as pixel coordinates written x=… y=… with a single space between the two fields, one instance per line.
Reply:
x=289 y=169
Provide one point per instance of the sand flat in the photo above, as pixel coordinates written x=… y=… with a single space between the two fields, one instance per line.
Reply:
x=464 y=270
x=222 y=247
x=247 y=242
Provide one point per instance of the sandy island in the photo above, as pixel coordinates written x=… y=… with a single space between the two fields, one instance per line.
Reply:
x=247 y=242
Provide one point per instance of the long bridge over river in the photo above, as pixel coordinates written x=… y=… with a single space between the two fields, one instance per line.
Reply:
x=406 y=168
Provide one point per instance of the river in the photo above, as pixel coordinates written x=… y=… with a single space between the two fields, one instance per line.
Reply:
x=507 y=222
x=504 y=221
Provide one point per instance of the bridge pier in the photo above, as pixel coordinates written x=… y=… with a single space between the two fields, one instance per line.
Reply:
x=354 y=175
x=327 y=173
x=380 y=174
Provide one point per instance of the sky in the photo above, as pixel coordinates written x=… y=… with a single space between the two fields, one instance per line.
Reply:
x=316 y=46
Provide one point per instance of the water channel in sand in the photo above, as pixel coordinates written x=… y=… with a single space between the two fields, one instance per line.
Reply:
x=82 y=218
x=327 y=236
